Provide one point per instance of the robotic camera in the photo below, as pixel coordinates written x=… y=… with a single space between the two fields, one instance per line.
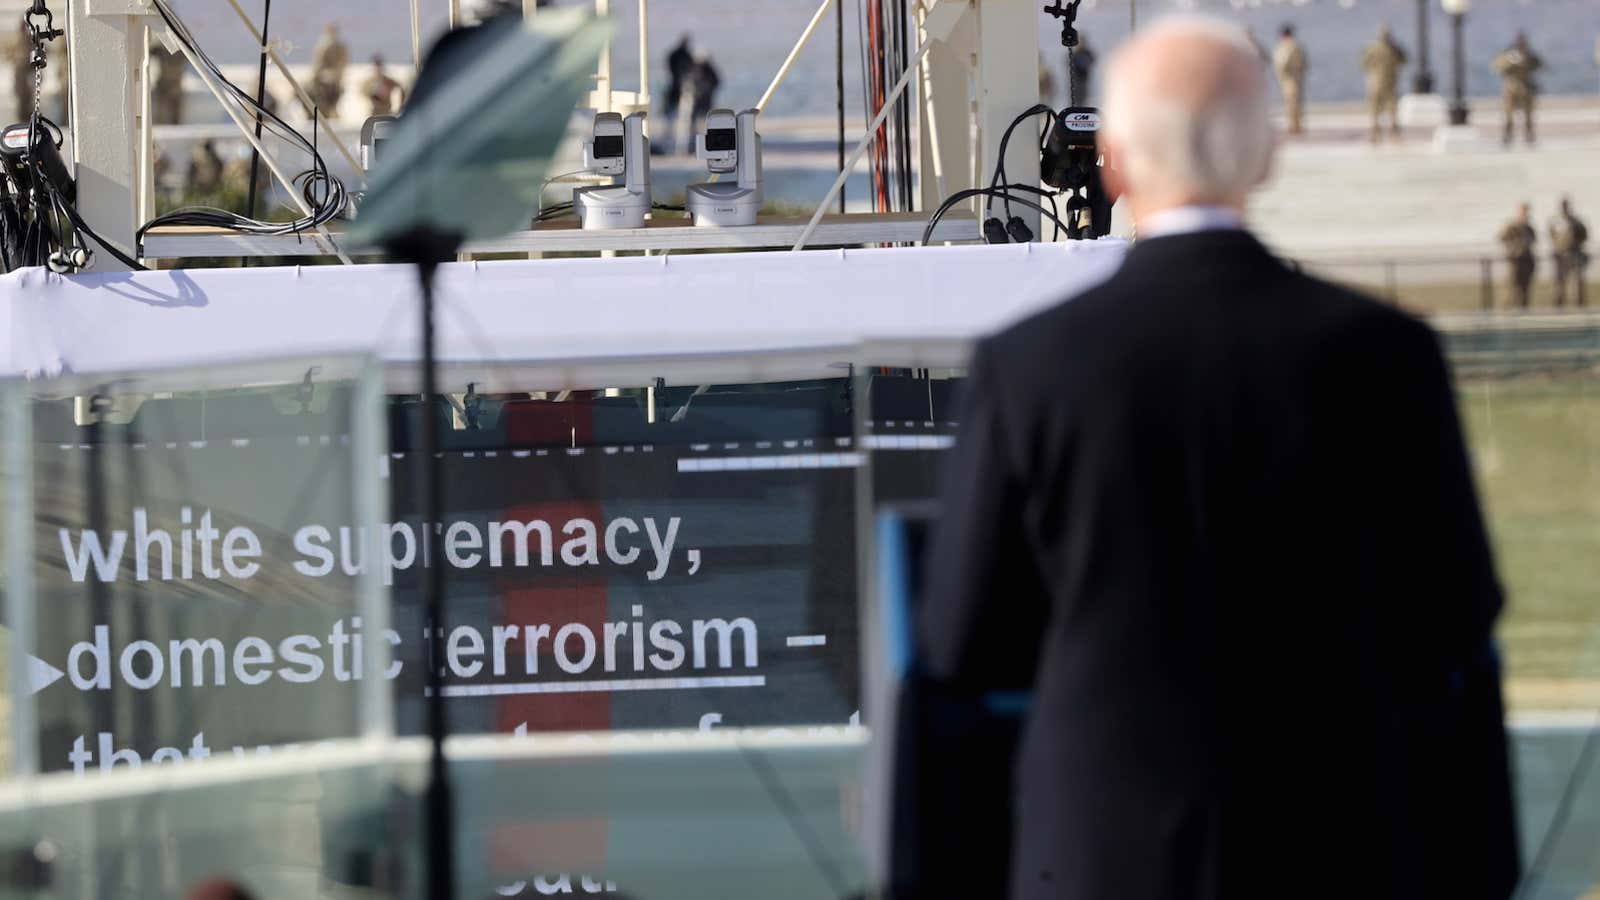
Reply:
x=1071 y=163
x=617 y=147
x=730 y=145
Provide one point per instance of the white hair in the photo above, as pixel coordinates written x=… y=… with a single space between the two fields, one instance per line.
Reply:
x=1201 y=126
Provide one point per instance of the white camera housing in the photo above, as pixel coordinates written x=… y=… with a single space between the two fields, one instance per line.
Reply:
x=617 y=146
x=605 y=152
x=730 y=144
x=719 y=144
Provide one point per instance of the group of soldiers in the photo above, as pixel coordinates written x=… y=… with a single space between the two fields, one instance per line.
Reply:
x=330 y=63
x=1569 y=257
x=1381 y=62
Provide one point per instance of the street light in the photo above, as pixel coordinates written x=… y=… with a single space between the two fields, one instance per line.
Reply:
x=1457 y=11
x=1422 y=82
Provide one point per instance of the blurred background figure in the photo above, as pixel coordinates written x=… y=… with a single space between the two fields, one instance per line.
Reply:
x=1382 y=61
x=18 y=53
x=167 y=101
x=1516 y=65
x=1290 y=63
x=1047 y=83
x=161 y=168
x=236 y=174
x=1518 y=240
x=205 y=168
x=384 y=94
x=680 y=63
x=704 y=80
x=1568 y=239
x=329 y=62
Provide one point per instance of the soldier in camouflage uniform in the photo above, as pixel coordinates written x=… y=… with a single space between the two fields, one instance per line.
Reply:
x=1517 y=239
x=329 y=60
x=167 y=101
x=1568 y=235
x=1516 y=66
x=1290 y=64
x=1381 y=62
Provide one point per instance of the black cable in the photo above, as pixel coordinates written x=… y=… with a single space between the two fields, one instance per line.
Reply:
x=838 y=85
x=83 y=228
x=317 y=179
x=1005 y=140
x=958 y=196
x=261 y=95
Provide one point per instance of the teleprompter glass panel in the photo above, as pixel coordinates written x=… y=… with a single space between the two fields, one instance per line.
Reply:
x=651 y=625
x=207 y=690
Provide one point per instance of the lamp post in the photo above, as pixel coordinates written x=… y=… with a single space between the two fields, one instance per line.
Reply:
x=1422 y=82
x=1457 y=11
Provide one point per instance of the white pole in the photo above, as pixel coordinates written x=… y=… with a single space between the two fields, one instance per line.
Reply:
x=455 y=14
x=855 y=156
x=929 y=120
x=603 y=8
x=108 y=90
x=788 y=63
x=529 y=7
x=294 y=83
x=644 y=54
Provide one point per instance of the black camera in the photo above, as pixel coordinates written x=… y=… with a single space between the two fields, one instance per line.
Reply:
x=1071 y=163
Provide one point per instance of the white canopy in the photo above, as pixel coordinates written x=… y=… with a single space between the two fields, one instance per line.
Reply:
x=680 y=317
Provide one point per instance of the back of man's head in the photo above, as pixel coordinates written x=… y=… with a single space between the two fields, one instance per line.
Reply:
x=1186 y=116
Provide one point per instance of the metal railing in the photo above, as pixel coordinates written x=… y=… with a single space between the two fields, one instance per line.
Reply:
x=1450 y=284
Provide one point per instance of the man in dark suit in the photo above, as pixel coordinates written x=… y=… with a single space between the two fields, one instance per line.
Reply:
x=1220 y=517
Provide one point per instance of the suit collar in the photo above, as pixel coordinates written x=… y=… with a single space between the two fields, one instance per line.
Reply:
x=1197 y=248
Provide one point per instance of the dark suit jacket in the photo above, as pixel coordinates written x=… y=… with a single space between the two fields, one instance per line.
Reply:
x=1220 y=515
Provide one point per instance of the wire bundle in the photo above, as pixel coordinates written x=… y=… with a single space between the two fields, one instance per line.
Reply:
x=884 y=55
x=39 y=221
x=322 y=192
x=1000 y=188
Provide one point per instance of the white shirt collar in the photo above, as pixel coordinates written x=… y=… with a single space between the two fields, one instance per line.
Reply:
x=1189 y=219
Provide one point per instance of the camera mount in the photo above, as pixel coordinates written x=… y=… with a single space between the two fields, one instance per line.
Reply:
x=1068 y=14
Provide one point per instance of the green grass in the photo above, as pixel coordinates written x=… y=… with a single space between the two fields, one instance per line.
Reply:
x=1536 y=445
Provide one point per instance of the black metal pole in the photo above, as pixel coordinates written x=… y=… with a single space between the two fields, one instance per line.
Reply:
x=440 y=807
x=1423 y=82
x=1458 y=68
x=838 y=74
x=261 y=95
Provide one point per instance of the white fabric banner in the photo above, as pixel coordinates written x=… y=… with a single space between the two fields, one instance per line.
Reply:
x=546 y=311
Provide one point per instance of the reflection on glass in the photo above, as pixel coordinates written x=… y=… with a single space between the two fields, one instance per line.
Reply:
x=198 y=677
x=653 y=602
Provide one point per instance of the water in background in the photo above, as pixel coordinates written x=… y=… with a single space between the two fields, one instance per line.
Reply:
x=748 y=39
